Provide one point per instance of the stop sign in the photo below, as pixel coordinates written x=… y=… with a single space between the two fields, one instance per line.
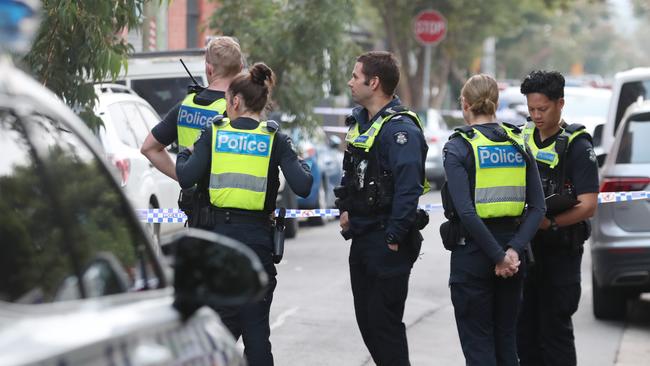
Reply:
x=429 y=27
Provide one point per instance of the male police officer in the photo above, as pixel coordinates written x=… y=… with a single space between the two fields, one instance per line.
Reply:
x=384 y=177
x=567 y=166
x=184 y=122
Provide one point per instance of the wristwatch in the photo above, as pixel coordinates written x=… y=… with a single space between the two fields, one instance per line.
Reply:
x=391 y=238
x=554 y=226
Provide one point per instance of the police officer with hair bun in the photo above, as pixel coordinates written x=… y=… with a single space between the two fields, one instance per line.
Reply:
x=240 y=156
x=498 y=203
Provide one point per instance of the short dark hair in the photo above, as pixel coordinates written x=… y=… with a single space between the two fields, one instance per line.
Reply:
x=384 y=66
x=549 y=83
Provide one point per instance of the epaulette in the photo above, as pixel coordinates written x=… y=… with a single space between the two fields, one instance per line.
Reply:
x=467 y=130
x=574 y=127
x=516 y=129
x=272 y=126
x=393 y=110
x=349 y=120
x=218 y=120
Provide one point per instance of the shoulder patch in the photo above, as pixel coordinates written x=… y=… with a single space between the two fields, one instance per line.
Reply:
x=592 y=155
x=401 y=137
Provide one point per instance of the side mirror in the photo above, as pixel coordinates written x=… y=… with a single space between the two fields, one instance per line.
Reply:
x=335 y=141
x=597 y=138
x=213 y=270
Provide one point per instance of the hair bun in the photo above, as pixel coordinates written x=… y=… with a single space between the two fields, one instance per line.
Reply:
x=260 y=73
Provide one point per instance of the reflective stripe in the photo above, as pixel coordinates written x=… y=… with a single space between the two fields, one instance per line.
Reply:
x=501 y=194
x=237 y=180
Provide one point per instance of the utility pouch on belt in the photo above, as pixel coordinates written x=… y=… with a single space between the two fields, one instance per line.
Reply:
x=186 y=202
x=451 y=231
x=278 y=236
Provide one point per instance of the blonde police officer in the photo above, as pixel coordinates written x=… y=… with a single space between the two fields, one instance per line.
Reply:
x=184 y=122
x=497 y=196
x=240 y=156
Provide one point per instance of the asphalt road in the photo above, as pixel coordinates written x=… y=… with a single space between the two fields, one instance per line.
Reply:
x=312 y=318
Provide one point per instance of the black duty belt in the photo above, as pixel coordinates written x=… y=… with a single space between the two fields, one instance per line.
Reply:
x=223 y=216
x=503 y=223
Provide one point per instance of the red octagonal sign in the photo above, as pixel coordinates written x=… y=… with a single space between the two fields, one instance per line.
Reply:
x=429 y=27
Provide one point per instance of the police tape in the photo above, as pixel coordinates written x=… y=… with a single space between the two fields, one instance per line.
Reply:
x=175 y=215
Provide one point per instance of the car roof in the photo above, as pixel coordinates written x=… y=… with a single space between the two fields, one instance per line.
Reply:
x=633 y=74
x=112 y=93
x=639 y=107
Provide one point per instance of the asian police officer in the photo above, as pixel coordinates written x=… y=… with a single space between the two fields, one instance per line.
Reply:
x=568 y=167
x=240 y=157
x=383 y=179
x=497 y=197
x=185 y=121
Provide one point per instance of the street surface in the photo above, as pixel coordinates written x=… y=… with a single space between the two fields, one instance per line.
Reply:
x=313 y=323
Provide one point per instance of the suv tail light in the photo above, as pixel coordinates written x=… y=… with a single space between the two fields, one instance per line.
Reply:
x=124 y=167
x=624 y=184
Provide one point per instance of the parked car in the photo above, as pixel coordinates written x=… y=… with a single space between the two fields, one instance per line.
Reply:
x=586 y=106
x=81 y=282
x=127 y=119
x=436 y=134
x=321 y=152
x=628 y=87
x=620 y=246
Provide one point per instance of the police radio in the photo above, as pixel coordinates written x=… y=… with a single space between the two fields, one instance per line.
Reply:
x=196 y=88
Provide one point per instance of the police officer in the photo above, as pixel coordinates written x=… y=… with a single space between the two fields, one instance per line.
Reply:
x=240 y=156
x=184 y=122
x=383 y=179
x=490 y=181
x=567 y=166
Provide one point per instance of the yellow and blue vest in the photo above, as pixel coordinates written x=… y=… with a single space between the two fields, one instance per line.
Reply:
x=240 y=164
x=193 y=118
x=500 y=187
x=366 y=140
x=549 y=155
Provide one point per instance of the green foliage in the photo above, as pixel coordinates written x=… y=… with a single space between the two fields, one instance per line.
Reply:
x=304 y=42
x=469 y=23
x=80 y=43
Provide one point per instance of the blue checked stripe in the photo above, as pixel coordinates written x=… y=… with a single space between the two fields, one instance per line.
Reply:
x=174 y=215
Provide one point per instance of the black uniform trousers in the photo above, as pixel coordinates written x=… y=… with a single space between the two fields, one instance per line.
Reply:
x=485 y=306
x=379 y=278
x=551 y=296
x=251 y=321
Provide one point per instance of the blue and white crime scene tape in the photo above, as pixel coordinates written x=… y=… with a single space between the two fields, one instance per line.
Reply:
x=175 y=215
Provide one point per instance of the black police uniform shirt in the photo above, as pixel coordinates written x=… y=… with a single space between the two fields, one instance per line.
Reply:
x=402 y=151
x=296 y=172
x=582 y=167
x=166 y=131
x=479 y=256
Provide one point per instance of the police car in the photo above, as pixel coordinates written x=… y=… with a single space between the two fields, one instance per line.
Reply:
x=81 y=283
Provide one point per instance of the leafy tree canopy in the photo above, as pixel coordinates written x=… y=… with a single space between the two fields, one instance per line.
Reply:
x=304 y=42
x=79 y=43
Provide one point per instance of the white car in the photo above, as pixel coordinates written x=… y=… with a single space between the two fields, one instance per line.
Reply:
x=127 y=120
x=81 y=282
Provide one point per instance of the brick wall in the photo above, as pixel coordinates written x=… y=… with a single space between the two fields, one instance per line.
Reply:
x=177 y=25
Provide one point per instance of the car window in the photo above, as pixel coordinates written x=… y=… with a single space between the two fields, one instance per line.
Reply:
x=136 y=122
x=32 y=263
x=151 y=118
x=121 y=125
x=634 y=147
x=103 y=237
x=630 y=93
x=162 y=94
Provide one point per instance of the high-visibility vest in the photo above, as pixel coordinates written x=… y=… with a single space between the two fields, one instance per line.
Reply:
x=500 y=189
x=240 y=165
x=366 y=140
x=549 y=154
x=193 y=118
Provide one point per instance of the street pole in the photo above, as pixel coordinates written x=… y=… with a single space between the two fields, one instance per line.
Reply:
x=426 y=88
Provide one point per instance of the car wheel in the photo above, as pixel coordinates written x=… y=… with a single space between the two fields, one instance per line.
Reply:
x=153 y=230
x=289 y=201
x=608 y=303
x=319 y=220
